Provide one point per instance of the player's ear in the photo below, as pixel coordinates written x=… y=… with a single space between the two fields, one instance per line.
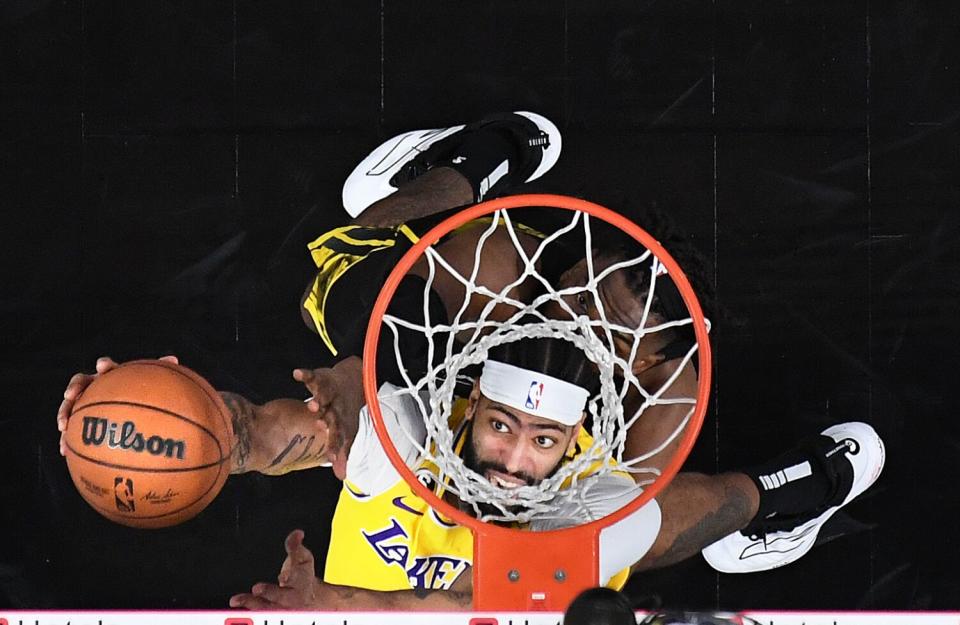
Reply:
x=576 y=434
x=472 y=401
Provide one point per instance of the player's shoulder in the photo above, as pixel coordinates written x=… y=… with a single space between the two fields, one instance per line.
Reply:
x=368 y=465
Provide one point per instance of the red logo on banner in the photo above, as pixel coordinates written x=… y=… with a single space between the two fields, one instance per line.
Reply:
x=230 y=621
x=484 y=620
x=3 y=621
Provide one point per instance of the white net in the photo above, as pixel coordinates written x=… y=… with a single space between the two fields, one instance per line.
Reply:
x=577 y=490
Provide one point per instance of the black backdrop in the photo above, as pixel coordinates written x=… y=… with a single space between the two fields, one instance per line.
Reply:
x=165 y=163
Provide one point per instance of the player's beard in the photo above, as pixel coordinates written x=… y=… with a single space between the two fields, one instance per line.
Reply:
x=473 y=462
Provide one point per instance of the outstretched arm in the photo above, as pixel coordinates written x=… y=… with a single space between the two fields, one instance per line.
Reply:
x=286 y=435
x=282 y=435
x=277 y=437
x=298 y=588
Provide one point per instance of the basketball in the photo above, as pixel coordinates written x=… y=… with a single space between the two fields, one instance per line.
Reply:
x=148 y=444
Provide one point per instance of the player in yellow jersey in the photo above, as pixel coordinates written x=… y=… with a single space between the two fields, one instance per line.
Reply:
x=798 y=490
x=522 y=420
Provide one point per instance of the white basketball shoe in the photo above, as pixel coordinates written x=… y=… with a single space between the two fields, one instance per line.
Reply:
x=535 y=141
x=851 y=454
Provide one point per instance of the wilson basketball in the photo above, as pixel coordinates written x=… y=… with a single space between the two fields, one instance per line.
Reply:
x=148 y=444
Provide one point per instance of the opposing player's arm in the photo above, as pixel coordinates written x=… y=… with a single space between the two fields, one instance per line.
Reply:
x=286 y=435
x=277 y=437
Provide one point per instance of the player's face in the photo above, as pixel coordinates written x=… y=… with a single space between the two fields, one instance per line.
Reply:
x=621 y=305
x=513 y=448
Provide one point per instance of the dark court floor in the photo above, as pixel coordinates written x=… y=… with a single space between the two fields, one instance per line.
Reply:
x=164 y=165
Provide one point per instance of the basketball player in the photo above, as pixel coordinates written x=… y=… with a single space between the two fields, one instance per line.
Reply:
x=507 y=445
x=284 y=435
x=386 y=539
x=421 y=174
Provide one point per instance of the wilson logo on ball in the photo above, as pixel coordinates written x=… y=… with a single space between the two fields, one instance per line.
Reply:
x=97 y=430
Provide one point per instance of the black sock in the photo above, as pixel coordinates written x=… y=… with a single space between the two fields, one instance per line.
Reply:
x=481 y=160
x=795 y=482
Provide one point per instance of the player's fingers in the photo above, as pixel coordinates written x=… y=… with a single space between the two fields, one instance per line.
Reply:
x=170 y=358
x=293 y=541
x=339 y=464
x=105 y=363
x=250 y=602
x=76 y=385
x=333 y=445
x=335 y=438
x=323 y=430
x=298 y=552
x=63 y=413
x=78 y=378
x=317 y=380
x=275 y=594
x=63 y=446
x=285 y=573
x=305 y=376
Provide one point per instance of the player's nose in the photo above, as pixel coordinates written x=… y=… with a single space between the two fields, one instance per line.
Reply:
x=516 y=458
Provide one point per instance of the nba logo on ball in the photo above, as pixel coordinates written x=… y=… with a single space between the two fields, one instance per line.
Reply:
x=123 y=494
x=534 y=395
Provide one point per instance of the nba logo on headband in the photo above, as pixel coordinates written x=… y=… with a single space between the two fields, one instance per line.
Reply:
x=534 y=395
x=524 y=389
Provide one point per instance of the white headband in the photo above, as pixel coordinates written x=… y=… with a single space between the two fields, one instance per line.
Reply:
x=532 y=392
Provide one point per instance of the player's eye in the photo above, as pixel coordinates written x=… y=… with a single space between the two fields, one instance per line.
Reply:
x=582 y=301
x=499 y=426
x=545 y=442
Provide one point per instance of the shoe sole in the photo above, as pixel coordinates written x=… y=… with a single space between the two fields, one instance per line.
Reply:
x=369 y=181
x=737 y=553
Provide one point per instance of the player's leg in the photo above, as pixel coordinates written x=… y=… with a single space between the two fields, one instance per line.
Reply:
x=424 y=172
x=768 y=515
x=799 y=491
x=418 y=174
x=437 y=190
x=697 y=510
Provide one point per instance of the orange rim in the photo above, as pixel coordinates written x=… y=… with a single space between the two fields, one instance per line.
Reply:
x=488 y=531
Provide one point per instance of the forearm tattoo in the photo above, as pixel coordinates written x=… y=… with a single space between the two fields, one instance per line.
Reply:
x=243 y=416
x=303 y=444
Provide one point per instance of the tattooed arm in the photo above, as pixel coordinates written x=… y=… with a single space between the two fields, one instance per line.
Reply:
x=286 y=435
x=280 y=436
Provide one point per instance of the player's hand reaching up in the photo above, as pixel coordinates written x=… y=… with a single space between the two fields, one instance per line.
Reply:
x=337 y=397
x=77 y=384
x=298 y=587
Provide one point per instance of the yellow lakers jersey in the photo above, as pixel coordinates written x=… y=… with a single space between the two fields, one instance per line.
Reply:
x=384 y=536
x=394 y=541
